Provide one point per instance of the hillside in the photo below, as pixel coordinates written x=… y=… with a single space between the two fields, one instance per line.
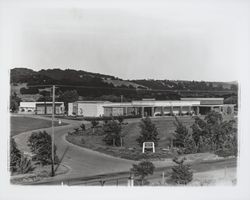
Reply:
x=95 y=86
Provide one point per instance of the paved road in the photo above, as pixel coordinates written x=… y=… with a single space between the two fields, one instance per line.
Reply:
x=121 y=178
x=84 y=162
x=81 y=161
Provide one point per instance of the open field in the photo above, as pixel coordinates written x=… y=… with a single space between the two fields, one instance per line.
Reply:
x=19 y=124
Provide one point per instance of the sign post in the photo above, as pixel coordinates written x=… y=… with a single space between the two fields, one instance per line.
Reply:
x=148 y=145
x=131 y=181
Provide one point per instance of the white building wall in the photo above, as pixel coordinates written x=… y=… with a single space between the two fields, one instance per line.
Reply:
x=27 y=107
x=70 y=109
x=100 y=110
x=88 y=109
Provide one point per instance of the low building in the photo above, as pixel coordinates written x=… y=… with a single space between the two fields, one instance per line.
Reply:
x=208 y=104
x=87 y=108
x=40 y=108
x=149 y=107
x=27 y=107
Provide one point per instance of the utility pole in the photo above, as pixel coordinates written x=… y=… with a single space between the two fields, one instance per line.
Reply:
x=52 y=133
x=121 y=98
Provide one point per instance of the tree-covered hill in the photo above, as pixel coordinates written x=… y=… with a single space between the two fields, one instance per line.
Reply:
x=95 y=86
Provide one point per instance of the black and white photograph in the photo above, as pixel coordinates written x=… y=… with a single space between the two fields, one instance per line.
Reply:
x=147 y=95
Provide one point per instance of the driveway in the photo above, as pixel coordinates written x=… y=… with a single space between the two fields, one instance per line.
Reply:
x=81 y=162
x=85 y=162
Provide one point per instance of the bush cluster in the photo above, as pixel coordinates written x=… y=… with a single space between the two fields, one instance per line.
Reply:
x=211 y=134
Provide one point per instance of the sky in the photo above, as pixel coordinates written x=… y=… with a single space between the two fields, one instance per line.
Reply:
x=186 y=40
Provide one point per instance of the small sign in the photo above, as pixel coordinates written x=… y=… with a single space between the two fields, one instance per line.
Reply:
x=148 y=145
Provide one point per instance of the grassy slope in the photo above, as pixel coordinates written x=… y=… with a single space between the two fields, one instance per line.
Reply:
x=131 y=131
x=165 y=127
x=23 y=124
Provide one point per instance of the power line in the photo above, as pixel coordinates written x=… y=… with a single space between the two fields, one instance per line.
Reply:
x=137 y=89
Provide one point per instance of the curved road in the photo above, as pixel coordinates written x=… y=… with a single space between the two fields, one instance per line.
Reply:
x=81 y=161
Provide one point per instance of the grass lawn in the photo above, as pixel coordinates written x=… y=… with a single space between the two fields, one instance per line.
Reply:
x=131 y=149
x=23 y=124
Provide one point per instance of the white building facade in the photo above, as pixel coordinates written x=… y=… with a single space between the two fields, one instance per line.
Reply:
x=150 y=107
x=40 y=108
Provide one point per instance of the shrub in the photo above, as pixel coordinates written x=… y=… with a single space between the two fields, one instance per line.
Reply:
x=94 y=125
x=142 y=170
x=203 y=145
x=189 y=144
x=120 y=119
x=148 y=132
x=214 y=134
x=76 y=130
x=112 y=132
x=180 y=133
x=40 y=145
x=15 y=156
x=181 y=174
x=25 y=166
x=83 y=127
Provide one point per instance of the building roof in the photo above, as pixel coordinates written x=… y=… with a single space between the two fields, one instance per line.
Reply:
x=216 y=105
x=200 y=99
x=28 y=104
x=93 y=102
x=33 y=104
x=49 y=103
x=154 y=104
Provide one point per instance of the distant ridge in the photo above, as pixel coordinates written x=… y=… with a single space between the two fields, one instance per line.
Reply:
x=22 y=78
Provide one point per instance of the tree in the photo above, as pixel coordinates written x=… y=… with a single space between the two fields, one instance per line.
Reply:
x=181 y=174
x=40 y=145
x=189 y=144
x=231 y=100
x=199 y=129
x=142 y=170
x=112 y=132
x=45 y=96
x=94 y=124
x=234 y=87
x=68 y=96
x=180 y=133
x=213 y=118
x=214 y=134
x=15 y=156
x=18 y=162
x=14 y=102
x=203 y=145
x=228 y=145
x=148 y=132
x=83 y=127
x=120 y=119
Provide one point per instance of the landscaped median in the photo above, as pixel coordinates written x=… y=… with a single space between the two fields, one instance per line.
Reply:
x=171 y=136
x=94 y=138
x=133 y=153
